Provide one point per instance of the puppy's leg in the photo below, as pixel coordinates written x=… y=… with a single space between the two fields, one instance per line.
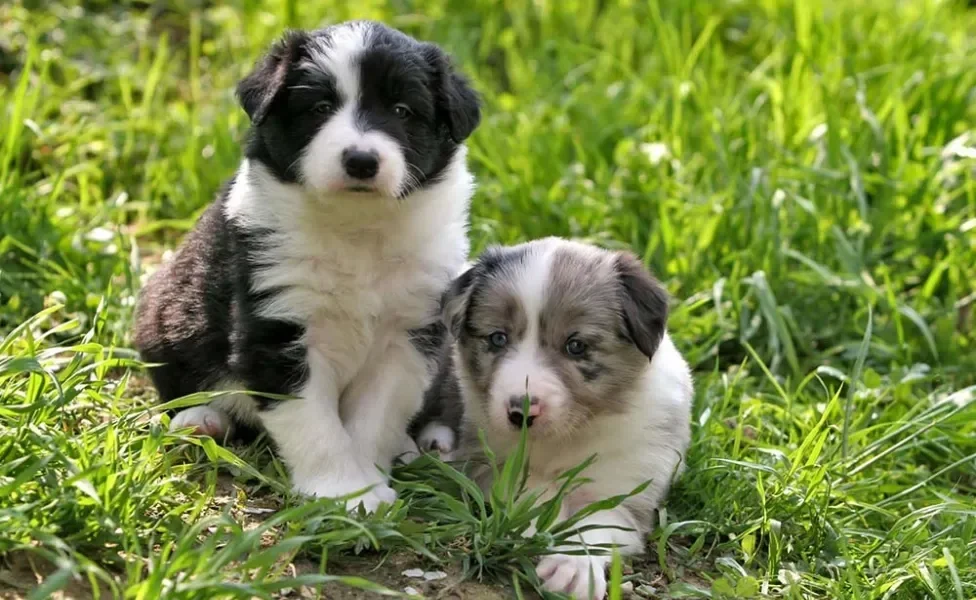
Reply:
x=378 y=407
x=577 y=575
x=316 y=447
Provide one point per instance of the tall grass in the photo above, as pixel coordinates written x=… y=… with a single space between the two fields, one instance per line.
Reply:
x=799 y=174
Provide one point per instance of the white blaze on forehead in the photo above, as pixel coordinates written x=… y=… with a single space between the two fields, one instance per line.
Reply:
x=526 y=363
x=530 y=282
x=338 y=55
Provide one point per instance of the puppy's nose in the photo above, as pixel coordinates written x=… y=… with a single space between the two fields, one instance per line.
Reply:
x=359 y=164
x=515 y=406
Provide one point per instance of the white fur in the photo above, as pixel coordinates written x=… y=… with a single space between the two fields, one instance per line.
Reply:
x=216 y=418
x=647 y=442
x=525 y=371
x=359 y=273
x=320 y=166
x=204 y=419
x=321 y=163
x=439 y=438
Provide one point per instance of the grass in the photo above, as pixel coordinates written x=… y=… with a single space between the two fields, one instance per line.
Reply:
x=800 y=174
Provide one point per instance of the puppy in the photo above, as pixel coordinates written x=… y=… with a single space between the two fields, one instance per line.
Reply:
x=317 y=272
x=581 y=332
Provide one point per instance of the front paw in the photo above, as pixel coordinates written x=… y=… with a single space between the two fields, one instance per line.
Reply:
x=202 y=420
x=574 y=575
x=438 y=439
x=352 y=489
x=380 y=493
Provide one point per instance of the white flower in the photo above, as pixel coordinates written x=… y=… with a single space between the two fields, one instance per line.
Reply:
x=655 y=152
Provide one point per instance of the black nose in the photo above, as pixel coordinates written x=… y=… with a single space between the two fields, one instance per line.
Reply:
x=515 y=416
x=359 y=164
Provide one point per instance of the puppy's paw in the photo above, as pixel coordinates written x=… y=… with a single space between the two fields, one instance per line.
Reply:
x=204 y=420
x=574 y=575
x=408 y=453
x=438 y=439
x=353 y=489
x=380 y=493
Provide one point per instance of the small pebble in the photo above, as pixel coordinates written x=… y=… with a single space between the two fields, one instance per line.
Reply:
x=434 y=575
x=413 y=573
x=411 y=591
x=258 y=511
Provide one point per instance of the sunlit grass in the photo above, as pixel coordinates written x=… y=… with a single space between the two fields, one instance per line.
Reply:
x=799 y=174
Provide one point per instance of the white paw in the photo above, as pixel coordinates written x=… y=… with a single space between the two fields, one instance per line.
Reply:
x=408 y=452
x=371 y=500
x=439 y=439
x=574 y=575
x=204 y=419
x=353 y=489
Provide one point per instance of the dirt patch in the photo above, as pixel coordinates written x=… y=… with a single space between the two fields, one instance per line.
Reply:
x=21 y=573
x=401 y=571
x=442 y=582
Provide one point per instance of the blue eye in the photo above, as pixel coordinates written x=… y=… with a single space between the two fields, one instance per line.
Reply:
x=575 y=347
x=498 y=339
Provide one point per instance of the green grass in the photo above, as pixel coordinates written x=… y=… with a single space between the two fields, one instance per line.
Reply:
x=799 y=173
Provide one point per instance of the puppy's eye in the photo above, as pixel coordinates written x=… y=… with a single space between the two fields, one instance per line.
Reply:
x=498 y=339
x=575 y=347
x=402 y=110
x=323 y=107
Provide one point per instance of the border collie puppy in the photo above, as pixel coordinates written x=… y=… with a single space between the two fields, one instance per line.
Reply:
x=582 y=332
x=317 y=272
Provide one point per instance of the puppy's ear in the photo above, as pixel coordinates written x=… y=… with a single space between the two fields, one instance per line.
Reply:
x=458 y=104
x=454 y=301
x=644 y=303
x=258 y=90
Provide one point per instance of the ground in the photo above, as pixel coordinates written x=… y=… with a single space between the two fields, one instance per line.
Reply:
x=800 y=175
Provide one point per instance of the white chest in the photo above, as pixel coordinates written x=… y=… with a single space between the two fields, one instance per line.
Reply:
x=352 y=270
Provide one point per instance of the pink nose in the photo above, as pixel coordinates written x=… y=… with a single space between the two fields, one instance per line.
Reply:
x=515 y=406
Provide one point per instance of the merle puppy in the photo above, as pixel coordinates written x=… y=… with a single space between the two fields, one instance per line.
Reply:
x=317 y=271
x=582 y=332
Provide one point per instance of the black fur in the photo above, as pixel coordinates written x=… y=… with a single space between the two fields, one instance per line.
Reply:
x=442 y=400
x=197 y=316
x=288 y=104
x=645 y=304
x=430 y=340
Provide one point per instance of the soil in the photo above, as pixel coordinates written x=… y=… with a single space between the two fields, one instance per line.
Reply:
x=22 y=572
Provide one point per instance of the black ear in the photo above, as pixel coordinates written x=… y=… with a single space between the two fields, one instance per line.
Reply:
x=257 y=91
x=454 y=301
x=644 y=303
x=457 y=102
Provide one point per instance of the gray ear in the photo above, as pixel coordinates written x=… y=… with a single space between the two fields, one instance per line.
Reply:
x=644 y=303
x=454 y=301
x=257 y=91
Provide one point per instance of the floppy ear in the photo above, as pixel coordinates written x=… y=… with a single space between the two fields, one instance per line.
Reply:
x=644 y=302
x=457 y=102
x=454 y=301
x=257 y=91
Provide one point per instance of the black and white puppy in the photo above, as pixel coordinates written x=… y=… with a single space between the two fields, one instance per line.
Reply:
x=582 y=332
x=318 y=271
